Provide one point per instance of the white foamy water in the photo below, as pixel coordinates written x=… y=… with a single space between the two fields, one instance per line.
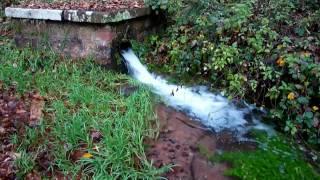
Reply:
x=213 y=110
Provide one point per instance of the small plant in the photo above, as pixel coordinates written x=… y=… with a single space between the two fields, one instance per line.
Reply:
x=25 y=164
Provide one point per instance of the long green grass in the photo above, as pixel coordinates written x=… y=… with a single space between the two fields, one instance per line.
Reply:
x=80 y=97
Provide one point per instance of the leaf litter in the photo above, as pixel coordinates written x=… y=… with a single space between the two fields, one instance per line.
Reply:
x=19 y=112
x=96 y=5
x=16 y=113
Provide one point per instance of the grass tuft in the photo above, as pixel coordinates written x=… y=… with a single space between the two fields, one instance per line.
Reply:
x=80 y=97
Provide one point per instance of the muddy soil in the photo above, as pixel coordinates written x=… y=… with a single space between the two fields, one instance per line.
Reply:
x=179 y=144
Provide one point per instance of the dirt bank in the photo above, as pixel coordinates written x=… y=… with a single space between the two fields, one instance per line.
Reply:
x=180 y=142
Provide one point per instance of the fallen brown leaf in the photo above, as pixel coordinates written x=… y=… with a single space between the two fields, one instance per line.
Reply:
x=76 y=155
x=37 y=105
x=33 y=176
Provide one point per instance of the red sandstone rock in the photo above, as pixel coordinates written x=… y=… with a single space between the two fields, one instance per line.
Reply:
x=178 y=144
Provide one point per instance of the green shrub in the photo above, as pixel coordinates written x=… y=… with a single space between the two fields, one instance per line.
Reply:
x=264 y=51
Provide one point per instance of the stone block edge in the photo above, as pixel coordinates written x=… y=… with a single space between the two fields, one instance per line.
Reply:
x=77 y=15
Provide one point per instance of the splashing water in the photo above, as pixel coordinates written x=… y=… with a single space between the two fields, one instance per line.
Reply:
x=214 y=111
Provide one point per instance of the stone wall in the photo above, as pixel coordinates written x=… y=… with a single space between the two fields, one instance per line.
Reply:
x=80 y=40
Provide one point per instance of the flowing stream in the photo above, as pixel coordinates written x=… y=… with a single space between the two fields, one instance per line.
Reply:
x=212 y=110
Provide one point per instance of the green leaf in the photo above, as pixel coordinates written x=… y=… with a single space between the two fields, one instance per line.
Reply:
x=303 y=100
x=298 y=86
x=293 y=130
x=299 y=119
x=308 y=115
x=299 y=31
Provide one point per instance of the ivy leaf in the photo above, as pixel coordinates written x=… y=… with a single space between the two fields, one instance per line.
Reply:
x=298 y=86
x=286 y=129
x=300 y=31
x=308 y=115
x=299 y=119
x=293 y=130
x=214 y=19
x=303 y=100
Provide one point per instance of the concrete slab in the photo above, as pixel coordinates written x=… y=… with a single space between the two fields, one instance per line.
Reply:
x=104 y=17
x=78 y=15
x=42 y=14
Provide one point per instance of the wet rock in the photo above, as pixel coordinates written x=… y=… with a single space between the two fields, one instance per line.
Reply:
x=227 y=142
x=202 y=169
x=163 y=115
x=208 y=142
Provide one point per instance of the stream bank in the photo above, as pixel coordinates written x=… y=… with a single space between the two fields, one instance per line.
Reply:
x=181 y=142
x=199 y=154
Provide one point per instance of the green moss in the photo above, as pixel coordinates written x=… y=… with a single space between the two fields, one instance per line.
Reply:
x=275 y=158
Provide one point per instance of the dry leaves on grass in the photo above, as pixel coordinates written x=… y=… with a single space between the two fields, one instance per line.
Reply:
x=34 y=175
x=7 y=168
x=15 y=114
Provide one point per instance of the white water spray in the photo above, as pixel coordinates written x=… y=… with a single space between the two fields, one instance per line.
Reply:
x=214 y=111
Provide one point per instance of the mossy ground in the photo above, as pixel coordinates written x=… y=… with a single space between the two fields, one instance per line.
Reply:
x=276 y=157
